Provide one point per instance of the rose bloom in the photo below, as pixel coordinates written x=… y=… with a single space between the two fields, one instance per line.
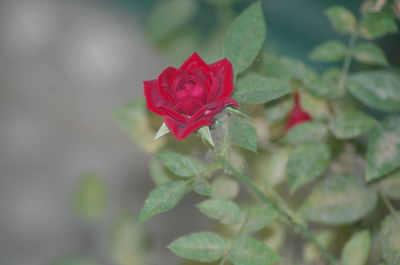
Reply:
x=297 y=115
x=191 y=96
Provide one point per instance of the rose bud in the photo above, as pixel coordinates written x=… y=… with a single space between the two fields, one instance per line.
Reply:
x=191 y=96
x=297 y=115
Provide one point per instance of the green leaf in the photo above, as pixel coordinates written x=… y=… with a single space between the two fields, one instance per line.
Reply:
x=306 y=163
x=383 y=151
x=278 y=110
x=202 y=246
x=342 y=20
x=390 y=186
x=377 y=24
x=338 y=200
x=202 y=186
x=378 y=90
x=163 y=198
x=224 y=188
x=157 y=172
x=225 y=211
x=253 y=88
x=161 y=24
x=91 y=197
x=162 y=131
x=245 y=38
x=311 y=253
x=390 y=240
x=249 y=251
x=243 y=135
x=324 y=88
x=181 y=165
x=259 y=217
x=271 y=169
x=370 y=53
x=330 y=51
x=356 y=250
x=205 y=134
x=307 y=132
x=351 y=125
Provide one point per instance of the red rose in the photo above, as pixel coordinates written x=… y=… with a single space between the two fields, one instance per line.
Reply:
x=297 y=115
x=191 y=96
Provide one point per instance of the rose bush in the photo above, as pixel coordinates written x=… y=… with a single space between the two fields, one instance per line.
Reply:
x=191 y=96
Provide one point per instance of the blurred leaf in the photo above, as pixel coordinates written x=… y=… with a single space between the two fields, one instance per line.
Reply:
x=162 y=131
x=205 y=135
x=318 y=108
x=182 y=165
x=249 y=251
x=243 y=135
x=324 y=88
x=127 y=244
x=390 y=240
x=245 y=38
x=378 y=90
x=253 y=88
x=342 y=20
x=133 y=120
x=370 y=53
x=259 y=217
x=306 y=163
x=91 y=197
x=202 y=186
x=225 y=211
x=163 y=198
x=377 y=24
x=351 y=124
x=202 y=246
x=311 y=253
x=278 y=110
x=338 y=200
x=157 y=172
x=160 y=22
x=271 y=170
x=224 y=188
x=390 y=186
x=383 y=151
x=356 y=250
x=307 y=132
x=329 y=51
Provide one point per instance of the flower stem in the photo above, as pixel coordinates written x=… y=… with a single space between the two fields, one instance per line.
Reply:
x=347 y=60
x=297 y=226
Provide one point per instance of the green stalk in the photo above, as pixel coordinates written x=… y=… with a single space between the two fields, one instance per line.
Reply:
x=347 y=60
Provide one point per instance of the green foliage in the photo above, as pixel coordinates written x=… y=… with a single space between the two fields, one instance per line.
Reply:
x=307 y=132
x=390 y=240
x=202 y=186
x=245 y=38
x=356 y=250
x=181 y=165
x=249 y=251
x=325 y=88
x=163 y=130
x=390 y=186
x=253 y=88
x=160 y=22
x=351 y=124
x=205 y=135
x=258 y=217
x=224 y=188
x=306 y=163
x=383 y=153
x=338 y=200
x=243 y=135
x=377 y=24
x=278 y=110
x=202 y=246
x=378 y=90
x=226 y=211
x=157 y=172
x=91 y=197
x=163 y=198
x=370 y=53
x=330 y=51
x=342 y=20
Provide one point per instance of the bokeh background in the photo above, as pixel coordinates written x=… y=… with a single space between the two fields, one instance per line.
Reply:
x=65 y=66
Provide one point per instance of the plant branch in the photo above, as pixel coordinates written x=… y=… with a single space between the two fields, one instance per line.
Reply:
x=390 y=207
x=347 y=60
x=299 y=227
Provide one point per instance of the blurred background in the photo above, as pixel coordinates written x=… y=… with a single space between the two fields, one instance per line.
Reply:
x=65 y=66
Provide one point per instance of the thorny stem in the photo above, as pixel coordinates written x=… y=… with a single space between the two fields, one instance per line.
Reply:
x=347 y=60
x=299 y=227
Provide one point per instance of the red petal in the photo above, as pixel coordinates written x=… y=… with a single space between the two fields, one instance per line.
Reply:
x=164 y=83
x=223 y=83
x=181 y=130
x=195 y=58
x=153 y=97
